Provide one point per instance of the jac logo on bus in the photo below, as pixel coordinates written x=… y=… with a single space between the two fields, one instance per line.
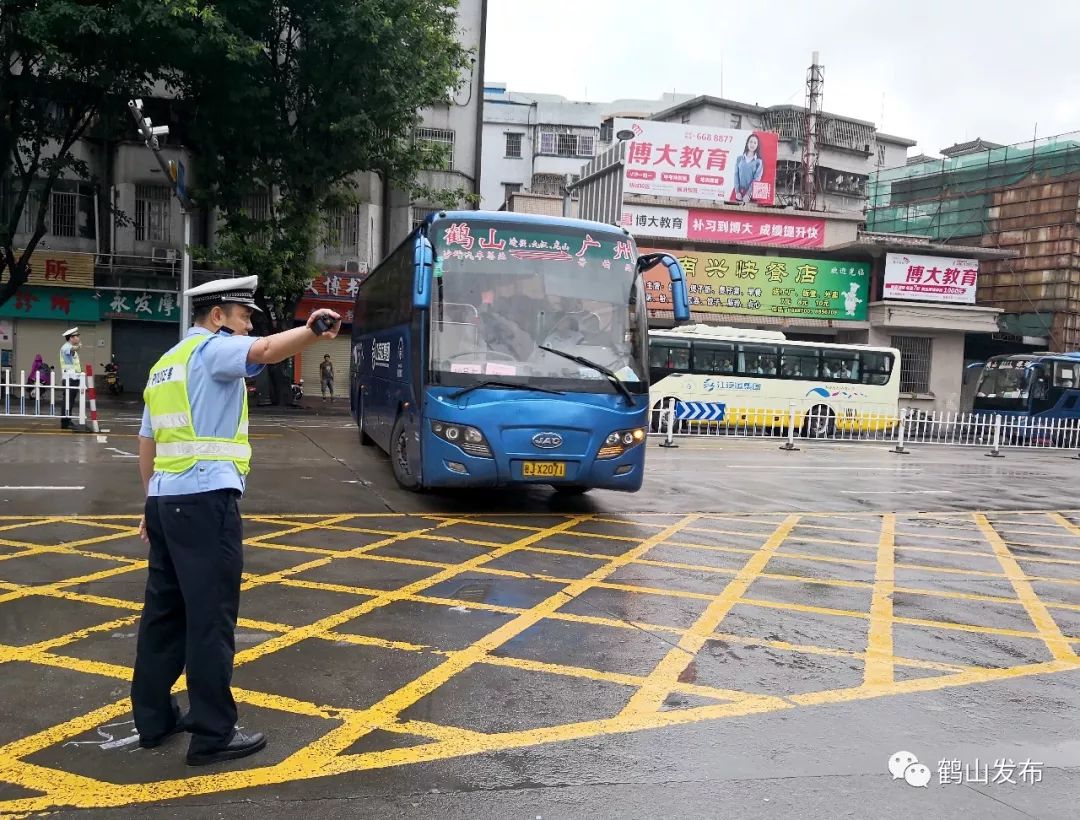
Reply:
x=547 y=441
x=380 y=354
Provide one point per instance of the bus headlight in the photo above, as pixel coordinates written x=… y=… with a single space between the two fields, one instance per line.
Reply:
x=620 y=441
x=469 y=439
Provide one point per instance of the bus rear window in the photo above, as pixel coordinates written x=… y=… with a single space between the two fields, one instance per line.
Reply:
x=876 y=367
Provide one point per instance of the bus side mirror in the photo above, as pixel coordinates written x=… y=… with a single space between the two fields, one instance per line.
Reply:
x=423 y=265
x=679 y=297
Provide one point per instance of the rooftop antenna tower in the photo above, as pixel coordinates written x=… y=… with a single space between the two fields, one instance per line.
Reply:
x=815 y=80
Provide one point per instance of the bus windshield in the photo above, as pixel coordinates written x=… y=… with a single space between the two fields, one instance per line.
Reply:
x=1005 y=385
x=503 y=291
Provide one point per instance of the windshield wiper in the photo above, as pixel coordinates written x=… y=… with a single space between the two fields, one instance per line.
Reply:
x=508 y=385
x=599 y=368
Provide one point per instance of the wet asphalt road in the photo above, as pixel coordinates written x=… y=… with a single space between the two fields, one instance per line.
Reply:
x=754 y=634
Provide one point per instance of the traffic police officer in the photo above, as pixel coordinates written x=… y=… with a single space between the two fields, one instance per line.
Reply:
x=70 y=372
x=194 y=457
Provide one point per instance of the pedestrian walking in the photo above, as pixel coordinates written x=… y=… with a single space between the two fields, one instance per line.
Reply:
x=70 y=373
x=326 y=373
x=194 y=458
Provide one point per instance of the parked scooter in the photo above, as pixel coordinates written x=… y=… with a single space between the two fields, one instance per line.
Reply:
x=112 y=379
x=297 y=391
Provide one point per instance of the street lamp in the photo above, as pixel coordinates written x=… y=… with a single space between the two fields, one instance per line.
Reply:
x=174 y=172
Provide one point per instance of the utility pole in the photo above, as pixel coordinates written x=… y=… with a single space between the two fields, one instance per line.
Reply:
x=174 y=172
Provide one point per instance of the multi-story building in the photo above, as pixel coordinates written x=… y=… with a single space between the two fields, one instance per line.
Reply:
x=849 y=149
x=111 y=256
x=537 y=143
x=1021 y=198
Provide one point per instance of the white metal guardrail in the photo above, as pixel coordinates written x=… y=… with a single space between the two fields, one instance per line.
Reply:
x=901 y=429
x=27 y=399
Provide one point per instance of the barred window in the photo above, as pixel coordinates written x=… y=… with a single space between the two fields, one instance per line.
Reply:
x=152 y=213
x=420 y=214
x=342 y=226
x=513 y=146
x=915 y=355
x=443 y=139
x=65 y=208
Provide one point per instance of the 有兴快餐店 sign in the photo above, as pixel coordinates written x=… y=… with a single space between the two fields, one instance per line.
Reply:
x=765 y=286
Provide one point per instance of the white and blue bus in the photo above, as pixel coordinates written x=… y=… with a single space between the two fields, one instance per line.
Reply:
x=1043 y=386
x=495 y=349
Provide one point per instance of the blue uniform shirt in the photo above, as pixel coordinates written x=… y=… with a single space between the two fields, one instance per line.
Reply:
x=215 y=384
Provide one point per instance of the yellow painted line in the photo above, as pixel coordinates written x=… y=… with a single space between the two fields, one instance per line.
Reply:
x=281 y=703
x=1036 y=609
x=879 y=663
x=382 y=643
x=610 y=677
x=386 y=710
x=652 y=693
x=807 y=649
x=45 y=589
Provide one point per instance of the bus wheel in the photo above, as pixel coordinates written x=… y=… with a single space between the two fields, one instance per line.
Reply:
x=365 y=439
x=569 y=489
x=820 y=422
x=399 y=456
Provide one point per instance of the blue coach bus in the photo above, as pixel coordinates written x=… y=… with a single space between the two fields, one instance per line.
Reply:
x=494 y=349
x=1041 y=386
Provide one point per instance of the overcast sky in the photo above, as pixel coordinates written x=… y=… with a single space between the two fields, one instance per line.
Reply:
x=943 y=72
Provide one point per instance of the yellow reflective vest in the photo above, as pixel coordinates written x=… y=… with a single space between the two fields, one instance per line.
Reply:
x=178 y=448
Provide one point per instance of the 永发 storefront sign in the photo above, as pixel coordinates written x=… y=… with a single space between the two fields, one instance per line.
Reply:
x=930 y=278
x=60 y=269
x=699 y=162
x=735 y=227
x=765 y=286
x=147 y=306
x=63 y=304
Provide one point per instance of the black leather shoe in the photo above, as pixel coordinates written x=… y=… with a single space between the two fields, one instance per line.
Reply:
x=240 y=746
x=154 y=742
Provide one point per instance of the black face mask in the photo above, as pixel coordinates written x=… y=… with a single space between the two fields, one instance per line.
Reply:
x=226 y=330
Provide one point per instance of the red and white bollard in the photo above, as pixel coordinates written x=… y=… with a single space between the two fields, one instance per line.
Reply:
x=91 y=394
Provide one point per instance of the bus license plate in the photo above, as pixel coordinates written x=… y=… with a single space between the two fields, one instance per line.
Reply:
x=543 y=469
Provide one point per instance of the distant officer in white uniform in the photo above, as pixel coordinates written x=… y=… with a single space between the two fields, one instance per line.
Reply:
x=70 y=372
x=194 y=457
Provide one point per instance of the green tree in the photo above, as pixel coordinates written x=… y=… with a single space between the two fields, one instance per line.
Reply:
x=68 y=66
x=329 y=89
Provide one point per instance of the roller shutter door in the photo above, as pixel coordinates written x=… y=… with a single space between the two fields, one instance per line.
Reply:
x=137 y=346
x=34 y=336
x=340 y=350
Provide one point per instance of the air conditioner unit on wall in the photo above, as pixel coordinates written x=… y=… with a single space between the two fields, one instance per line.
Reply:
x=352 y=266
x=164 y=255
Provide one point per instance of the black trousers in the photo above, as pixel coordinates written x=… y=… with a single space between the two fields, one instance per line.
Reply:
x=65 y=419
x=189 y=616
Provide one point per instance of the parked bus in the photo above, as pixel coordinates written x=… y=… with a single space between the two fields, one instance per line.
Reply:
x=495 y=349
x=1030 y=385
x=759 y=376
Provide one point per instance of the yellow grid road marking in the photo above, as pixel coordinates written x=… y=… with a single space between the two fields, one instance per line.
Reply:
x=326 y=756
x=658 y=684
x=1044 y=623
